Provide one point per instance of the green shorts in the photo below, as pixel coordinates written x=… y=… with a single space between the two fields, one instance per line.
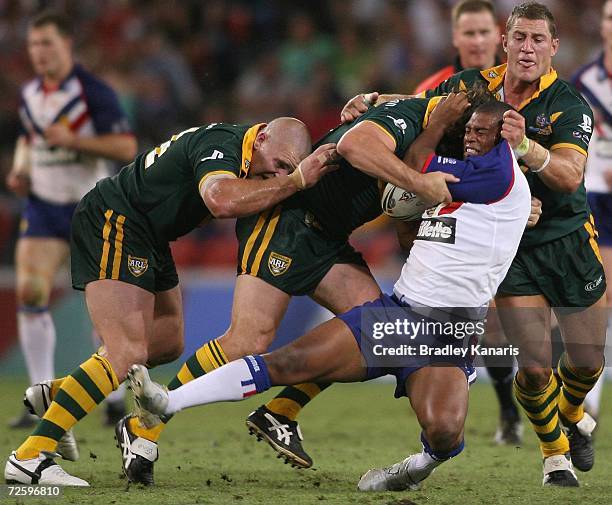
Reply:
x=115 y=243
x=285 y=248
x=567 y=271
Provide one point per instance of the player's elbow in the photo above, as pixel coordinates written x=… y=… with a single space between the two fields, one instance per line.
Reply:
x=350 y=145
x=220 y=207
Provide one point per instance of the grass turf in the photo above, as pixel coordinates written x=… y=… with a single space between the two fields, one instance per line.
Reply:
x=207 y=457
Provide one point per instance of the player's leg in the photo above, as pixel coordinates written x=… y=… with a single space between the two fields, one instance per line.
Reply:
x=526 y=323
x=37 y=261
x=439 y=397
x=137 y=443
x=584 y=336
x=345 y=286
x=329 y=353
x=122 y=314
x=257 y=310
x=501 y=372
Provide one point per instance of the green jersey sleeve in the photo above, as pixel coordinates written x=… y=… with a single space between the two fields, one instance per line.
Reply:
x=402 y=120
x=213 y=151
x=572 y=128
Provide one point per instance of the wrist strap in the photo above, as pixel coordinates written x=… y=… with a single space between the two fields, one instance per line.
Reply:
x=544 y=165
x=522 y=149
x=297 y=177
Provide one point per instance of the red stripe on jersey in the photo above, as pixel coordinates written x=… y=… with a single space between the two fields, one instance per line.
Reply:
x=78 y=122
x=250 y=393
x=427 y=163
x=511 y=185
x=450 y=208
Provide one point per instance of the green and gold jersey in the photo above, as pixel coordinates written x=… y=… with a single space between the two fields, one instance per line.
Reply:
x=556 y=116
x=347 y=198
x=163 y=185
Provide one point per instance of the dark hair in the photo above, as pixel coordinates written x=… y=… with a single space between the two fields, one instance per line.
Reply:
x=451 y=144
x=471 y=6
x=533 y=11
x=44 y=18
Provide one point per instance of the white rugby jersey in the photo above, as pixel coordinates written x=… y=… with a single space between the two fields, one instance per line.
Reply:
x=88 y=107
x=595 y=84
x=463 y=251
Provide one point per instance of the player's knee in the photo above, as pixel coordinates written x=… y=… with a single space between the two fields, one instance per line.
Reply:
x=534 y=378
x=33 y=292
x=444 y=433
x=241 y=341
x=168 y=354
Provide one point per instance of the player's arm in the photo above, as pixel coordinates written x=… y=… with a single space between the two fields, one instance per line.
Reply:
x=359 y=104
x=18 y=179
x=448 y=110
x=114 y=146
x=370 y=148
x=562 y=167
x=406 y=233
x=226 y=196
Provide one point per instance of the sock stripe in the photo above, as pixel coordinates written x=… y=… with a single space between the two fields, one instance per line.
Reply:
x=537 y=408
x=98 y=374
x=88 y=385
x=569 y=371
x=110 y=373
x=216 y=352
x=576 y=387
x=205 y=360
x=551 y=436
x=74 y=398
x=294 y=394
x=63 y=417
x=574 y=400
x=542 y=416
x=194 y=366
x=183 y=377
x=49 y=429
x=210 y=352
x=309 y=388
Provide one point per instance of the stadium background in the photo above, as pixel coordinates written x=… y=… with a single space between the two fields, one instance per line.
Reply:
x=178 y=64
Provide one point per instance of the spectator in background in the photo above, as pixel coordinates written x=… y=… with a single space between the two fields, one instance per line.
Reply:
x=476 y=37
x=72 y=127
x=595 y=83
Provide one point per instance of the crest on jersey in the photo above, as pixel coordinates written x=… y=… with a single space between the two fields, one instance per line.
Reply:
x=137 y=266
x=543 y=125
x=278 y=264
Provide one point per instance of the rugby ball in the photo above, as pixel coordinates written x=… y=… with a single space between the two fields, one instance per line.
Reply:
x=401 y=204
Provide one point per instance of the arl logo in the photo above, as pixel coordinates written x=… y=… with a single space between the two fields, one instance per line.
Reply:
x=440 y=229
x=137 y=266
x=278 y=264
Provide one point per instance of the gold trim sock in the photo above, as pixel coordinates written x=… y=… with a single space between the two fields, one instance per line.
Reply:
x=77 y=396
x=206 y=359
x=292 y=399
x=574 y=389
x=541 y=408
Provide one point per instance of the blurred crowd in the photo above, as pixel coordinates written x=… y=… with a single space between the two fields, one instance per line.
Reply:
x=176 y=64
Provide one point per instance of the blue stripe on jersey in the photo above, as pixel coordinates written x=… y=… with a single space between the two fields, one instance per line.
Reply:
x=33 y=125
x=484 y=179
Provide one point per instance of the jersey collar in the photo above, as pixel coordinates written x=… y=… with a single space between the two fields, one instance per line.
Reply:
x=247 y=148
x=495 y=77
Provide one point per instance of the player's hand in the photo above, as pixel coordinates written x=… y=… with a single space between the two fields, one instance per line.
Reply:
x=18 y=183
x=59 y=135
x=432 y=188
x=357 y=105
x=513 y=128
x=607 y=175
x=536 y=212
x=316 y=165
x=449 y=110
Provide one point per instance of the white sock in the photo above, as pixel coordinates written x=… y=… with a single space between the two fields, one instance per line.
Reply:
x=37 y=339
x=421 y=465
x=232 y=382
x=118 y=395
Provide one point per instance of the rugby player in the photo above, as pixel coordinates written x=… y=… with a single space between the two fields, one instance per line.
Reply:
x=482 y=227
x=555 y=124
x=121 y=257
x=299 y=248
x=72 y=129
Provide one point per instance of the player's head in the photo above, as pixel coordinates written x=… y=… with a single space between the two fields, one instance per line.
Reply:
x=279 y=147
x=606 y=25
x=530 y=41
x=475 y=33
x=483 y=130
x=50 y=45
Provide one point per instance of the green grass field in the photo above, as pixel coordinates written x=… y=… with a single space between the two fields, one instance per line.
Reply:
x=206 y=456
